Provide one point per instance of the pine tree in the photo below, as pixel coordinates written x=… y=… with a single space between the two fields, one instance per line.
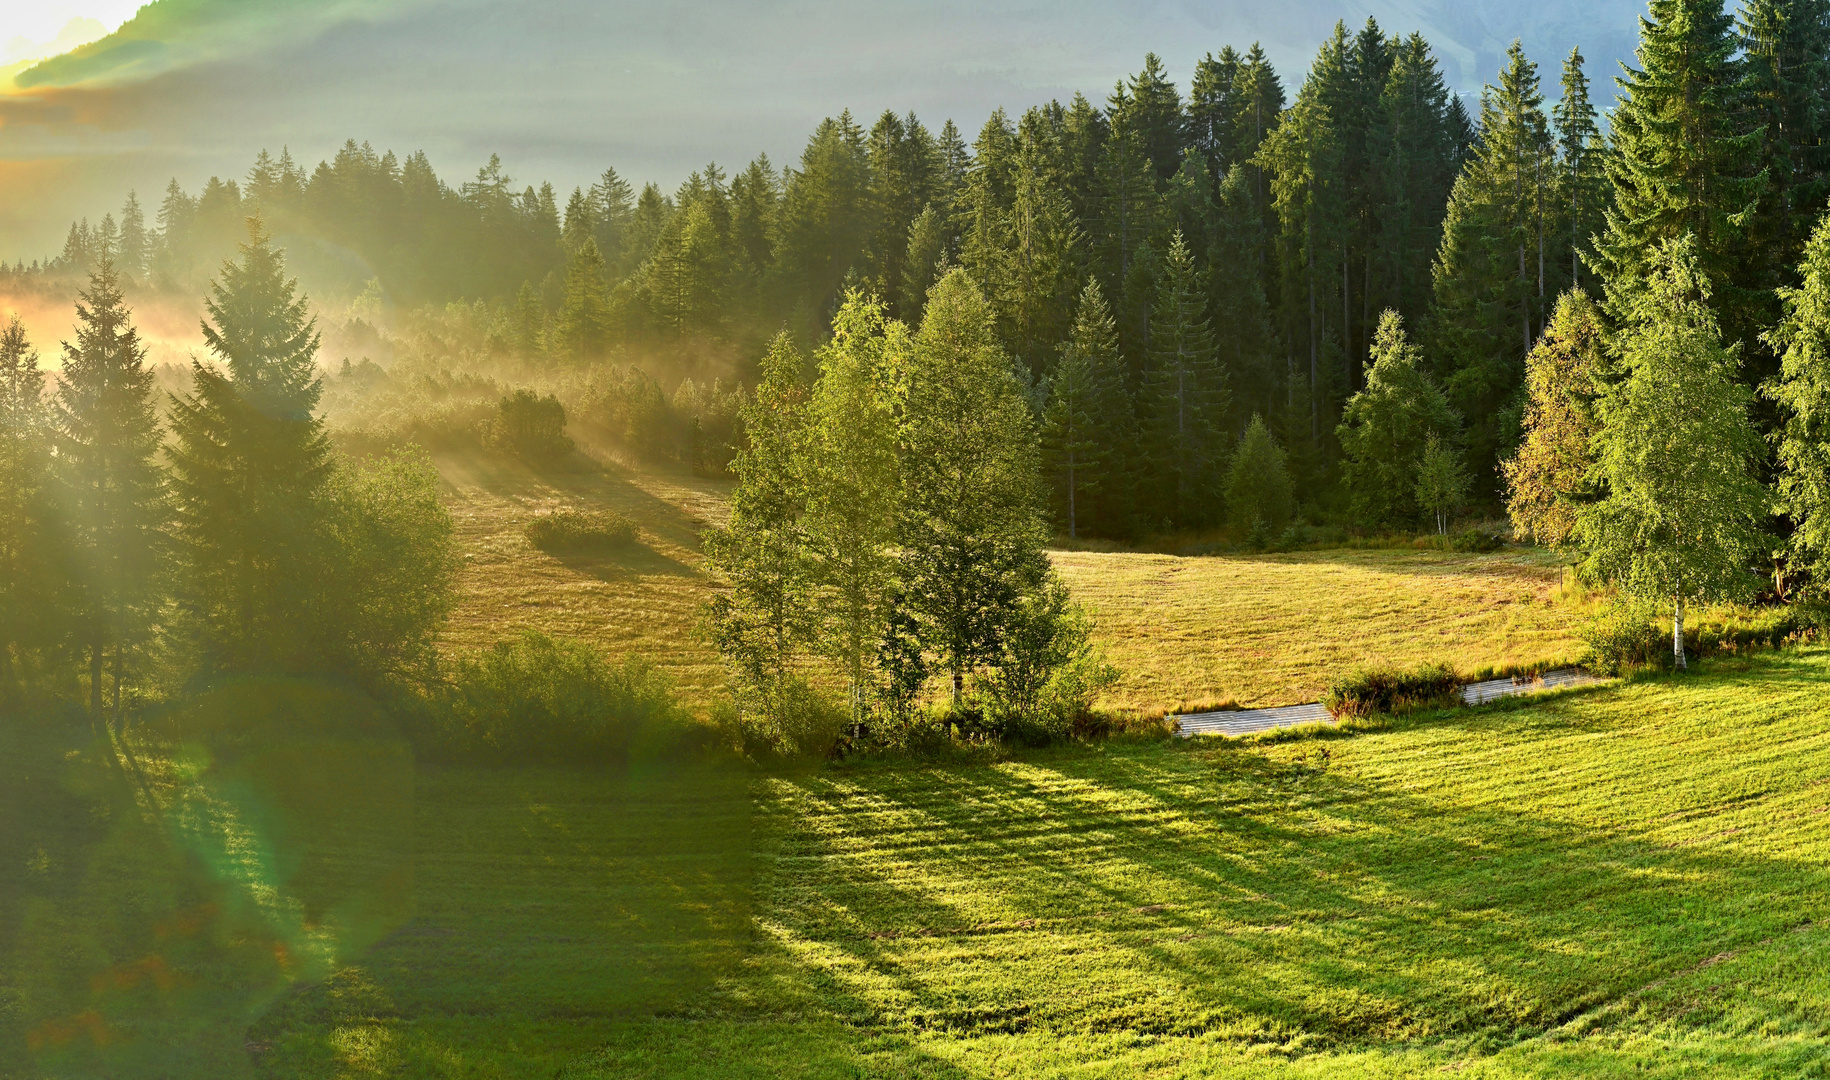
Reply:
x=1213 y=109
x=1412 y=152
x=28 y=612
x=1548 y=478
x=1130 y=213
x=1680 y=162
x=132 y=257
x=1679 y=520
x=1241 y=314
x=1184 y=398
x=1386 y=427
x=583 y=327
x=1581 y=176
x=971 y=527
x=250 y=463
x=1089 y=425
x=1150 y=107
x=110 y=489
x=924 y=261
x=1259 y=495
x=1802 y=392
x=1787 y=64
x=765 y=621
x=580 y=221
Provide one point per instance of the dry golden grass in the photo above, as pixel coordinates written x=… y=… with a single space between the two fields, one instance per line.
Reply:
x=1186 y=632
x=1273 y=629
x=646 y=599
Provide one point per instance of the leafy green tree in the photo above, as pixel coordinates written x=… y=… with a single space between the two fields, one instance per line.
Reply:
x=1681 y=514
x=971 y=526
x=1802 y=392
x=28 y=610
x=250 y=464
x=110 y=488
x=1259 y=495
x=852 y=487
x=1386 y=427
x=1442 y=483
x=396 y=567
x=1087 y=428
x=765 y=621
x=1547 y=479
x=1184 y=398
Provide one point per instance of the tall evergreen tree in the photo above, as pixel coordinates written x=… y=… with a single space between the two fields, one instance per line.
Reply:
x=1088 y=429
x=1547 y=480
x=110 y=489
x=1184 y=398
x=132 y=250
x=28 y=612
x=1787 y=62
x=1303 y=159
x=1386 y=427
x=250 y=463
x=1581 y=176
x=583 y=329
x=1802 y=392
x=1682 y=162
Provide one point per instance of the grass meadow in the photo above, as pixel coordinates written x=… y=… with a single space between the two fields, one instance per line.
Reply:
x=1620 y=881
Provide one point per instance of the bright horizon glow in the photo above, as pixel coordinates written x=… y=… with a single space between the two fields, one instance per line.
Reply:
x=40 y=21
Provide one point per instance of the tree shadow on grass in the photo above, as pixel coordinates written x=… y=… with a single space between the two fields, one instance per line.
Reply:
x=1229 y=893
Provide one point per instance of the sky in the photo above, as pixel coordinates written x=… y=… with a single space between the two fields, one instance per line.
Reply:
x=563 y=88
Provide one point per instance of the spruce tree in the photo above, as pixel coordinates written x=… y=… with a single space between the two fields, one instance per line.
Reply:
x=1386 y=427
x=1676 y=453
x=1682 y=162
x=1213 y=110
x=583 y=327
x=1787 y=62
x=1302 y=158
x=1581 y=152
x=1088 y=427
x=133 y=251
x=1802 y=392
x=1547 y=479
x=971 y=526
x=1241 y=313
x=1259 y=495
x=110 y=488
x=28 y=612
x=250 y=463
x=1183 y=401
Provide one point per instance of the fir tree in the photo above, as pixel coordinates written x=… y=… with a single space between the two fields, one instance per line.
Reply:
x=1183 y=401
x=1802 y=392
x=132 y=251
x=1681 y=164
x=1787 y=64
x=1386 y=427
x=250 y=464
x=1581 y=176
x=28 y=609
x=1241 y=314
x=1679 y=520
x=583 y=327
x=110 y=489
x=1259 y=495
x=1088 y=426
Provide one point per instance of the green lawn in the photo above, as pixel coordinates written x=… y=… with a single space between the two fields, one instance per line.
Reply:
x=1622 y=881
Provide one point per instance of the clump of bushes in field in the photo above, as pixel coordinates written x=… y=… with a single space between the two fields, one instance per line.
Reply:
x=1628 y=635
x=530 y=427
x=1375 y=691
x=580 y=531
x=541 y=699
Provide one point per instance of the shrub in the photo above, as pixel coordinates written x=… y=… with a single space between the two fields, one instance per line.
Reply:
x=1372 y=691
x=1477 y=541
x=578 y=530
x=1049 y=672
x=530 y=427
x=791 y=719
x=540 y=699
x=1631 y=635
x=1622 y=637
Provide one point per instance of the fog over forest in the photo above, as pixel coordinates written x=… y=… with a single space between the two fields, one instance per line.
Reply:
x=561 y=90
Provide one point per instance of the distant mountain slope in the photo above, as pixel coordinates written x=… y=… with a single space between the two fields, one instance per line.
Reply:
x=565 y=87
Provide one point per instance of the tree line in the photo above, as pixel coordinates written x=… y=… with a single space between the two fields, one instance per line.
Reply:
x=146 y=543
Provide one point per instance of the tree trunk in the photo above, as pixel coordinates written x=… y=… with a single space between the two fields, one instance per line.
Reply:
x=1677 y=635
x=1070 y=486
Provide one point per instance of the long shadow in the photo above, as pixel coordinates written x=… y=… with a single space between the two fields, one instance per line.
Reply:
x=1256 y=899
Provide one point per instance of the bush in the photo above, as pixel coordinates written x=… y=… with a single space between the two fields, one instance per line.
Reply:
x=1373 y=691
x=1049 y=673
x=578 y=530
x=540 y=699
x=530 y=427
x=1477 y=541
x=1629 y=635
x=791 y=719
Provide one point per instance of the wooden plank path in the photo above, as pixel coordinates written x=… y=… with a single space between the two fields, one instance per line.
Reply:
x=1252 y=721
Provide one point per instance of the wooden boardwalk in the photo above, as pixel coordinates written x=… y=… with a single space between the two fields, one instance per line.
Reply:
x=1253 y=721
